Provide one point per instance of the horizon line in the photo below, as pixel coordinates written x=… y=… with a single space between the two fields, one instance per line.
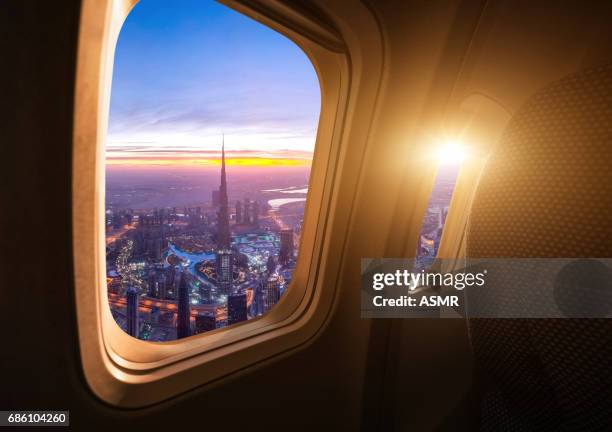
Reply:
x=255 y=162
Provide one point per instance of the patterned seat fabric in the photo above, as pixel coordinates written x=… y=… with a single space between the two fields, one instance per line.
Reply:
x=546 y=192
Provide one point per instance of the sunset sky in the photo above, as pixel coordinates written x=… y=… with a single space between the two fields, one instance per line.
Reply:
x=187 y=71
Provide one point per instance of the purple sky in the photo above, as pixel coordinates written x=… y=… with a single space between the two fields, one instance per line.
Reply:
x=189 y=70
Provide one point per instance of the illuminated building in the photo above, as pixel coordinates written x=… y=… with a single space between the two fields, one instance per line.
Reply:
x=255 y=214
x=271 y=264
x=161 y=287
x=223 y=230
x=132 y=311
x=236 y=308
x=271 y=292
x=224 y=265
x=176 y=282
x=117 y=221
x=286 y=246
x=238 y=212
x=152 y=284
x=182 y=323
x=224 y=253
x=195 y=216
x=247 y=215
x=205 y=293
x=157 y=248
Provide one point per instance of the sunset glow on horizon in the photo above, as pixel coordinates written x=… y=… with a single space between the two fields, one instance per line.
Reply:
x=231 y=162
x=186 y=75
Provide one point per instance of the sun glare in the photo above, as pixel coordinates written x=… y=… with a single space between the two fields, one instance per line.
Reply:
x=451 y=153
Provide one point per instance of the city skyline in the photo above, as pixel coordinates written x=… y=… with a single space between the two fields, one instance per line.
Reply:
x=173 y=273
x=210 y=139
x=207 y=170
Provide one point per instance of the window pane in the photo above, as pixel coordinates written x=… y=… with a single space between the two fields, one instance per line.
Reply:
x=211 y=134
x=435 y=216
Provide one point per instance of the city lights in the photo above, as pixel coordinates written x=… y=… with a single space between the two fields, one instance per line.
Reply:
x=171 y=266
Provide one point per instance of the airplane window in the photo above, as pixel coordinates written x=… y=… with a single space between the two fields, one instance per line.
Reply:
x=211 y=134
x=437 y=210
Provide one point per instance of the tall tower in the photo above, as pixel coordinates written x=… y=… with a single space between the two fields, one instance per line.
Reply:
x=238 y=212
x=132 y=311
x=224 y=253
x=236 y=308
x=183 y=328
x=286 y=246
x=223 y=230
x=271 y=292
x=246 y=219
x=256 y=214
x=224 y=271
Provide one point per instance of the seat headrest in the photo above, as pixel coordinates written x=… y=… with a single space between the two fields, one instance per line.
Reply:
x=546 y=190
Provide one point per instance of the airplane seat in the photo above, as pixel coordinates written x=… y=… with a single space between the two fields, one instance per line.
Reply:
x=546 y=192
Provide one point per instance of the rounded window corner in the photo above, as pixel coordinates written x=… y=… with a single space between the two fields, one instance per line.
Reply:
x=127 y=372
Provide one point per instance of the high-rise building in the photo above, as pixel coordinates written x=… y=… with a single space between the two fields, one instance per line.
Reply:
x=223 y=229
x=238 y=212
x=247 y=212
x=132 y=295
x=195 y=216
x=152 y=283
x=286 y=246
x=205 y=294
x=162 y=286
x=258 y=299
x=183 y=326
x=158 y=248
x=271 y=264
x=255 y=214
x=117 y=220
x=236 y=308
x=205 y=322
x=271 y=292
x=224 y=264
x=176 y=282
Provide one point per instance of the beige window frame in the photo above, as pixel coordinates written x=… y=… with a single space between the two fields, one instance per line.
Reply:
x=127 y=372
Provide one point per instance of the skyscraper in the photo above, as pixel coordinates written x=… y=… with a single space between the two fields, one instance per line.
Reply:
x=271 y=292
x=238 y=212
x=271 y=264
x=246 y=219
x=176 y=283
x=286 y=246
x=255 y=214
x=224 y=271
x=236 y=308
x=224 y=252
x=152 y=283
x=132 y=311
x=162 y=286
x=183 y=328
x=223 y=230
